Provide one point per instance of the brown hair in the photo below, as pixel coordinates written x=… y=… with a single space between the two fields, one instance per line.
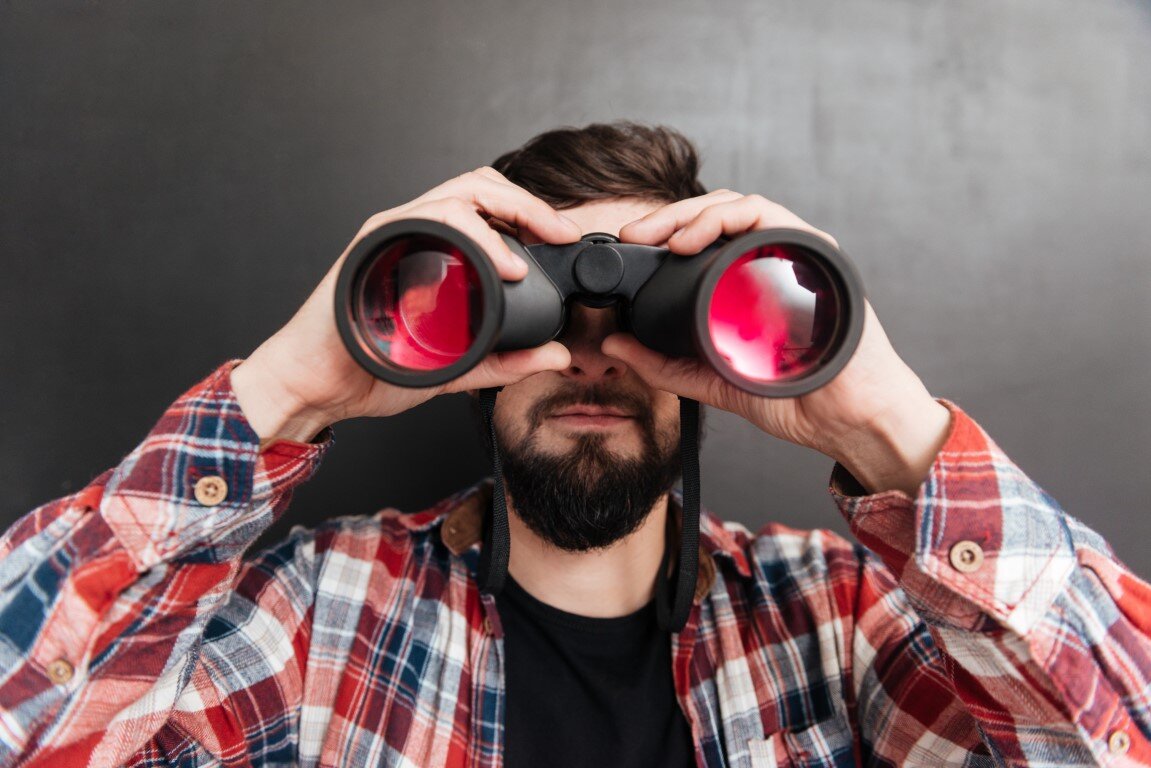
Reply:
x=566 y=167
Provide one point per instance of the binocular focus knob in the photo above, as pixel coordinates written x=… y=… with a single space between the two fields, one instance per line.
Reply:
x=598 y=268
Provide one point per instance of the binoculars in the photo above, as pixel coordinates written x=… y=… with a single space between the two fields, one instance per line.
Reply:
x=777 y=312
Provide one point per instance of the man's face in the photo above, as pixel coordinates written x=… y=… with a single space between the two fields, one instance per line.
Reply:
x=584 y=447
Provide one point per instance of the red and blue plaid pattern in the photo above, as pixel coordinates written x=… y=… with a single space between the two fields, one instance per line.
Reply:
x=132 y=632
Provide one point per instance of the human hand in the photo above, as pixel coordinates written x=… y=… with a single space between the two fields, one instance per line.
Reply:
x=875 y=417
x=303 y=379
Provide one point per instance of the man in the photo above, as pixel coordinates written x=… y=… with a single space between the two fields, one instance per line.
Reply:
x=980 y=626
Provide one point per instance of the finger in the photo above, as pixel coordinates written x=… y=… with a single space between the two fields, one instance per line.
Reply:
x=500 y=226
x=513 y=204
x=503 y=368
x=449 y=189
x=464 y=217
x=682 y=376
x=657 y=226
x=492 y=173
x=736 y=217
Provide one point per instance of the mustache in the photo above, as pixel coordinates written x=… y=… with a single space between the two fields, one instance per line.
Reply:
x=603 y=395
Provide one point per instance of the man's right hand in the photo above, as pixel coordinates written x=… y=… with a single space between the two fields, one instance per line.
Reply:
x=303 y=379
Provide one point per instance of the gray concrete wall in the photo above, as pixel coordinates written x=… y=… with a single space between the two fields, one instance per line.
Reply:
x=176 y=176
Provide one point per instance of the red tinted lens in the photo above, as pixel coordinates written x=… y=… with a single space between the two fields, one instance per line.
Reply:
x=773 y=313
x=420 y=303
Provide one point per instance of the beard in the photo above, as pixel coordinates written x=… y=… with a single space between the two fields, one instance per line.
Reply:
x=588 y=497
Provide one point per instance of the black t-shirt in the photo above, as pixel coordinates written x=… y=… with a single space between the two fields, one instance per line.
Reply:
x=588 y=692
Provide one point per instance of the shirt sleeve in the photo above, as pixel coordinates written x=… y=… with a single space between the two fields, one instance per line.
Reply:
x=1043 y=633
x=105 y=594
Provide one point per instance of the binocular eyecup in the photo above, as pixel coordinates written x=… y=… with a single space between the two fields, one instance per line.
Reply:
x=776 y=312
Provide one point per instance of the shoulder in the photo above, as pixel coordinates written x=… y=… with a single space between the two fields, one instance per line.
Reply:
x=795 y=584
x=775 y=546
x=778 y=561
x=388 y=542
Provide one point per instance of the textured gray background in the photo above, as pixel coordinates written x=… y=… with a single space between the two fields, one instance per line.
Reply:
x=176 y=176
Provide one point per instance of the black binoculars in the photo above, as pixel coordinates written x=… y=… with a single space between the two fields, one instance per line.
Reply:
x=776 y=312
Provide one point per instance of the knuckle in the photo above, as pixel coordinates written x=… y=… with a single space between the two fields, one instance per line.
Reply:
x=374 y=221
x=458 y=206
x=487 y=370
x=486 y=170
x=499 y=366
x=449 y=210
x=720 y=395
x=711 y=213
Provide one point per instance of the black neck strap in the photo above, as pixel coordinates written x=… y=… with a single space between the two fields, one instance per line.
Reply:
x=674 y=594
x=673 y=603
x=497 y=545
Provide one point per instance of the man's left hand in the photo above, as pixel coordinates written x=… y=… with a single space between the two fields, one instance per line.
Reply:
x=876 y=417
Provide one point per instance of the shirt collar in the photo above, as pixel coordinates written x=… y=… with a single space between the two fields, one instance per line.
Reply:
x=460 y=518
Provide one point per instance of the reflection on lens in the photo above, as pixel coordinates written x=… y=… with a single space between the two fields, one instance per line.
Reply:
x=419 y=304
x=773 y=313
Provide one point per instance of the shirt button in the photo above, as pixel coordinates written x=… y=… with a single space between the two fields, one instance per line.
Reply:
x=211 y=490
x=1119 y=743
x=60 y=672
x=488 y=626
x=966 y=557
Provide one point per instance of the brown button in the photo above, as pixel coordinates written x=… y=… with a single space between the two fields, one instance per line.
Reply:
x=60 y=672
x=211 y=490
x=1118 y=743
x=488 y=626
x=966 y=557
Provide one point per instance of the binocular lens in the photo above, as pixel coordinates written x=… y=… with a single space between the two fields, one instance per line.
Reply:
x=420 y=304
x=773 y=313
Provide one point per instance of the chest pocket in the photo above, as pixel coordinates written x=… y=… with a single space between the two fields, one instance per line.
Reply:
x=823 y=745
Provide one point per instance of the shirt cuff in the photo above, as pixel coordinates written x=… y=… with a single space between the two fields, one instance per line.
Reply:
x=979 y=540
x=201 y=481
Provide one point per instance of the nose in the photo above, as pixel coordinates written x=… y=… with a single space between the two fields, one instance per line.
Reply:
x=585 y=331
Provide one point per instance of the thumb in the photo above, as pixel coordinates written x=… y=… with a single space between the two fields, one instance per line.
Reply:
x=682 y=376
x=502 y=368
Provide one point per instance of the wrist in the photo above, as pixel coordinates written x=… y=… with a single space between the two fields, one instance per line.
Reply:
x=897 y=448
x=272 y=411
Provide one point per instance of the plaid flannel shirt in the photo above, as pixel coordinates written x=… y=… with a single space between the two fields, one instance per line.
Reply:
x=980 y=625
